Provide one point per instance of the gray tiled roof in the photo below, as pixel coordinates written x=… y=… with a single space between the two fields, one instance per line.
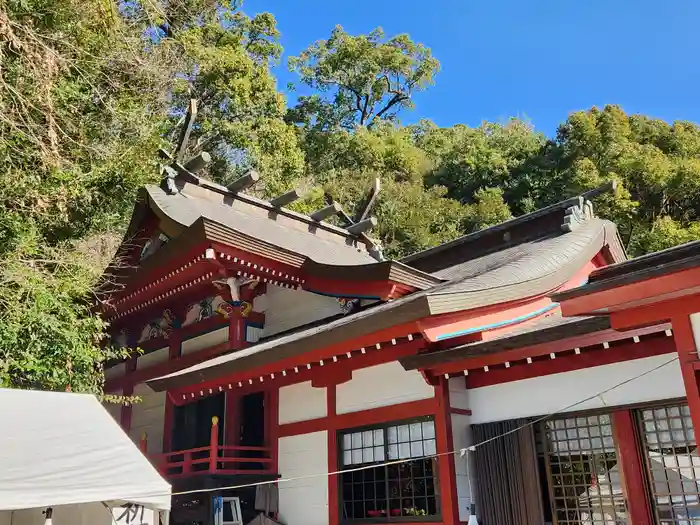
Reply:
x=331 y=248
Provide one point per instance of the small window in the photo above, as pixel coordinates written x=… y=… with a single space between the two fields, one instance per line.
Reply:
x=399 y=492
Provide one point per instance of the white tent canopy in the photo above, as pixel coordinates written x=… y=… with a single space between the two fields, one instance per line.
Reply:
x=65 y=449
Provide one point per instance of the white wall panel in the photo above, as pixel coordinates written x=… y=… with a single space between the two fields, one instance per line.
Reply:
x=286 y=308
x=301 y=402
x=552 y=393
x=695 y=324
x=304 y=501
x=148 y=416
x=464 y=468
x=207 y=340
x=379 y=386
x=153 y=358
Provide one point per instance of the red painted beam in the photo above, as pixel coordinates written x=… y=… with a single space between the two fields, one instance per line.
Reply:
x=620 y=297
x=688 y=356
x=570 y=361
x=374 y=416
x=561 y=345
x=331 y=370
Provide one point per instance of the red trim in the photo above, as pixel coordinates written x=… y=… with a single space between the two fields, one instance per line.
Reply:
x=333 y=496
x=337 y=369
x=441 y=325
x=460 y=411
x=631 y=462
x=446 y=461
x=656 y=289
x=383 y=290
x=653 y=313
x=562 y=345
x=272 y=427
x=687 y=355
x=335 y=375
x=570 y=361
x=373 y=416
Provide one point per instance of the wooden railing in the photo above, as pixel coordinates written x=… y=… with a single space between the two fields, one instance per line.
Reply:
x=213 y=459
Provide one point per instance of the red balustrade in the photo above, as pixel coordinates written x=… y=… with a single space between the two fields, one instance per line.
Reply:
x=215 y=459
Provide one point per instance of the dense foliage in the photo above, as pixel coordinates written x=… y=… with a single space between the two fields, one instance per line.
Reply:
x=90 y=90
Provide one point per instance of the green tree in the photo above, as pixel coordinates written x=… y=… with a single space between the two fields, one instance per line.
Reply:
x=360 y=80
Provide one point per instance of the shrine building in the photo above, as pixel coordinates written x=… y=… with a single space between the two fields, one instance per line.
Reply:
x=528 y=369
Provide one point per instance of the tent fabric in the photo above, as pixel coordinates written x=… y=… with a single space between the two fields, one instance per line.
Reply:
x=60 y=448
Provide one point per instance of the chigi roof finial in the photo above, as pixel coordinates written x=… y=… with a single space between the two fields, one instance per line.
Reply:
x=176 y=161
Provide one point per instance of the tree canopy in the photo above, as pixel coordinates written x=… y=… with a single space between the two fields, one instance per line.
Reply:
x=91 y=90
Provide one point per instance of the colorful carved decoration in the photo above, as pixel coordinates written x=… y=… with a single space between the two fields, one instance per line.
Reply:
x=215 y=306
x=121 y=340
x=245 y=308
x=158 y=328
x=348 y=305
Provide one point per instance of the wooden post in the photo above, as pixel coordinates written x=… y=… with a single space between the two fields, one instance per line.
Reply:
x=688 y=356
x=214 y=444
x=631 y=463
x=144 y=443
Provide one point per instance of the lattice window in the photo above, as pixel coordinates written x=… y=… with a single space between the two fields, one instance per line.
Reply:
x=400 y=491
x=673 y=464
x=583 y=476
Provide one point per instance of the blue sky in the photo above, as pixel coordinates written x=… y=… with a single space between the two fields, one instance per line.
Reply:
x=539 y=59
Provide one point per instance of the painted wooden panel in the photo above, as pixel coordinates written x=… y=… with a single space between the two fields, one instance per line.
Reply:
x=253 y=333
x=148 y=416
x=380 y=386
x=547 y=394
x=286 y=308
x=304 y=501
x=153 y=358
x=301 y=402
x=200 y=342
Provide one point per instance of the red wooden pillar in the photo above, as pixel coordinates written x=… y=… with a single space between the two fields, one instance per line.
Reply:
x=630 y=457
x=688 y=356
x=214 y=444
x=144 y=443
x=446 y=461
x=333 y=482
x=169 y=416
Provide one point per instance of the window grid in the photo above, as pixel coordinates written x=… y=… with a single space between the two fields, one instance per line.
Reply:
x=673 y=465
x=581 y=458
x=406 y=491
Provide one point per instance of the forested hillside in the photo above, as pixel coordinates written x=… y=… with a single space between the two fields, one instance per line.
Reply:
x=91 y=89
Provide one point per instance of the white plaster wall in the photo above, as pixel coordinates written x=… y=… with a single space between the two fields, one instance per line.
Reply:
x=286 y=308
x=380 y=386
x=695 y=324
x=148 y=416
x=301 y=402
x=305 y=501
x=464 y=469
x=462 y=438
x=153 y=358
x=552 y=393
x=200 y=342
